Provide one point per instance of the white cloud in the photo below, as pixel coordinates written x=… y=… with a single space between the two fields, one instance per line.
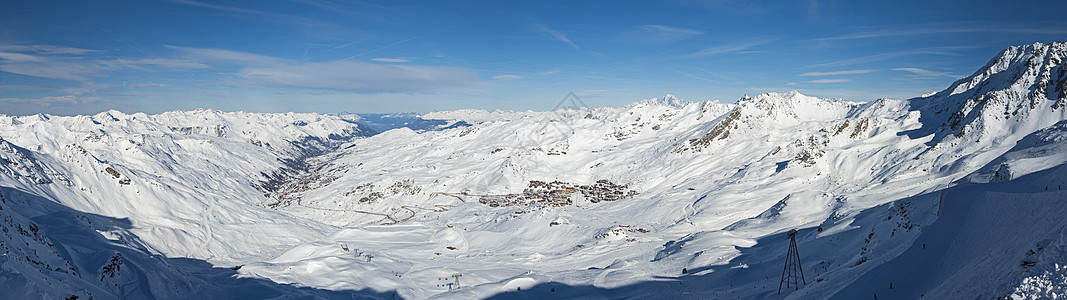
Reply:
x=506 y=76
x=835 y=73
x=926 y=73
x=360 y=77
x=830 y=80
x=555 y=35
x=390 y=60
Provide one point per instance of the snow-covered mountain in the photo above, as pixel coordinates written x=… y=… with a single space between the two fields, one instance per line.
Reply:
x=588 y=202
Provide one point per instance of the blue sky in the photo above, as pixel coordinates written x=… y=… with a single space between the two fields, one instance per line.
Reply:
x=83 y=57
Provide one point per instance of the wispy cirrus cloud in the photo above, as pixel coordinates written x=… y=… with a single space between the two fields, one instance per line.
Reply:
x=339 y=75
x=657 y=34
x=390 y=60
x=737 y=7
x=20 y=57
x=821 y=81
x=226 y=56
x=255 y=13
x=67 y=63
x=942 y=28
x=166 y=63
x=926 y=73
x=360 y=77
x=837 y=73
x=506 y=77
x=946 y=51
x=556 y=35
x=359 y=9
x=277 y=15
x=837 y=80
x=48 y=67
x=46 y=49
x=730 y=48
x=42 y=101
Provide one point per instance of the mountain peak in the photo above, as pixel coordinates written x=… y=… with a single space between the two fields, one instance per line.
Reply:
x=666 y=100
x=768 y=111
x=1021 y=67
x=794 y=105
x=1021 y=89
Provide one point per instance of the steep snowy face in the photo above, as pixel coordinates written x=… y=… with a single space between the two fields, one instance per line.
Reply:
x=1021 y=90
x=1035 y=69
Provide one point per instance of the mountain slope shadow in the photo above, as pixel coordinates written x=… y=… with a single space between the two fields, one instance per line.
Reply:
x=120 y=267
x=987 y=239
x=827 y=262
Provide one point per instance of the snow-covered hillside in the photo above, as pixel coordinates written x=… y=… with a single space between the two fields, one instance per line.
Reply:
x=589 y=202
x=179 y=184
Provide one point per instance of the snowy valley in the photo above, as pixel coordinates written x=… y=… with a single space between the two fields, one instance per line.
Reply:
x=957 y=194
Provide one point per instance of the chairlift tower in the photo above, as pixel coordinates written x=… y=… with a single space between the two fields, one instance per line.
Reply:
x=792 y=265
x=457 y=276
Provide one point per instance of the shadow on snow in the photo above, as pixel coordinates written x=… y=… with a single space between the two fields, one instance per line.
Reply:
x=143 y=275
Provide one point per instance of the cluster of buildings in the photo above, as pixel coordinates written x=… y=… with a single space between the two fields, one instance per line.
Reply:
x=604 y=190
x=290 y=191
x=558 y=194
